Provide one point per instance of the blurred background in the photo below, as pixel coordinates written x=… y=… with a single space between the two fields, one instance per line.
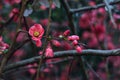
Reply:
x=94 y=27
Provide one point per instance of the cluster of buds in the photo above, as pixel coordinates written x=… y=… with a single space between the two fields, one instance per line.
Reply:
x=74 y=39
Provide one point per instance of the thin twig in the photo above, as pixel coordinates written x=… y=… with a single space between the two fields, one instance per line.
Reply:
x=69 y=70
x=10 y=67
x=69 y=15
x=73 y=11
x=27 y=28
x=3 y=25
x=90 y=67
x=5 y=58
x=46 y=41
x=110 y=13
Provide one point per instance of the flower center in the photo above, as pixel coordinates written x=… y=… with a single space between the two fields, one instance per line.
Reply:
x=36 y=34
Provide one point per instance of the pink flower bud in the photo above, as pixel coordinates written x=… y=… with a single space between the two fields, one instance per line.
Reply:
x=3 y=45
x=38 y=43
x=66 y=33
x=14 y=11
x=78 y=49
x=56 y=43
x=73 y=37
x=75 y=42
x=49 y=52
x=66 y=45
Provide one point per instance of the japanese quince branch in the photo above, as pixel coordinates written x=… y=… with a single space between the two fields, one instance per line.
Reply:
x=60 y=54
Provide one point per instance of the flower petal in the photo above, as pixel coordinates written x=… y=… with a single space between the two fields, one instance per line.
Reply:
x=38 y=43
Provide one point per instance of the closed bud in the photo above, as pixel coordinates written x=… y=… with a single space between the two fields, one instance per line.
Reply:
x=56 y=43
x=66 y=33
x=75 y=42
x=73 y=37
x=78 y=49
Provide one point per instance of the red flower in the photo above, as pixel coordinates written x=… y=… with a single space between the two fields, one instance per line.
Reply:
x=37 y=31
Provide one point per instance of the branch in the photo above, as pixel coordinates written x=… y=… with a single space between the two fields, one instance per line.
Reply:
x=8 y=70
x=5 y=24
x=110 y=13
x=46 y=40
x=74 y=31
x=73 y=11
x=92 y=70
x=6 y=57
x=103 y=53
x=69 y=15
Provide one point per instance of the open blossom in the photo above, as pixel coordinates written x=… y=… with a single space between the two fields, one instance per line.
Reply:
x=49 y=52
x=37 y=31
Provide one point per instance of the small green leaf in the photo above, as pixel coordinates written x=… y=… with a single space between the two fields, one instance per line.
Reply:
x=5 y=51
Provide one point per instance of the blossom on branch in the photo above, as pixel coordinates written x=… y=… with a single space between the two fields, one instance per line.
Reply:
x=37 y=31
x=49 y=52
x=66 y=33
x=78 y=49
x=14 y=13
